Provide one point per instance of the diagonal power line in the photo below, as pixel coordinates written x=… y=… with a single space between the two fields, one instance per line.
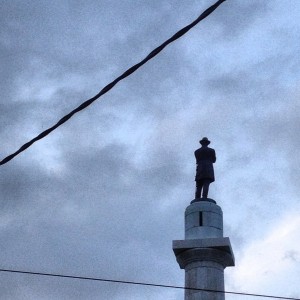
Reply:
x=143 y=284
x=128 y=72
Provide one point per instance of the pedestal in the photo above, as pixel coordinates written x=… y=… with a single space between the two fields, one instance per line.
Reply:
x=204 y=253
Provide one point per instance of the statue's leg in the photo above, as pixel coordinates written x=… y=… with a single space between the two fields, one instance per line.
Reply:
x=198 y=189
x=205 y=188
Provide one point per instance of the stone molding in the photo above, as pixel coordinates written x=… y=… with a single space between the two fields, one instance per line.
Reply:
x=204 y=254
x=222 y=243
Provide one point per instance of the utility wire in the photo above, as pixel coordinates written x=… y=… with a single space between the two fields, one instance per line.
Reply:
x=84 y=105
x=128 y=72
x=143 y=284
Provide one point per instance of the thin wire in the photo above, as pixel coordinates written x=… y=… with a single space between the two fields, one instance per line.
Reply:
x=128 y=72
x=143 y=283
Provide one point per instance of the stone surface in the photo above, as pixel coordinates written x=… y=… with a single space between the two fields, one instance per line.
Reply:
x=222 y=244
x=193 y=255
x=203 y=219
x=203 y=199
x=204 y=253
x=203 y=205
x=204 y=275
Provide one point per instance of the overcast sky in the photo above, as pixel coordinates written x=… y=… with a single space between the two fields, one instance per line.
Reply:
x=105 y=194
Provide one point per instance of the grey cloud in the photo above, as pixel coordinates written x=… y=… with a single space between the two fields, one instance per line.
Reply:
x=82 y=219
x=292 y=255
x=104 y=195
x=237 y=16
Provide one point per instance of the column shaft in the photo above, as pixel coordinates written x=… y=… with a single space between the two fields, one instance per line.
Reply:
x=204 y=275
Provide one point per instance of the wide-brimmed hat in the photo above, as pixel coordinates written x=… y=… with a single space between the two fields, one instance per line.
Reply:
x=204 y=141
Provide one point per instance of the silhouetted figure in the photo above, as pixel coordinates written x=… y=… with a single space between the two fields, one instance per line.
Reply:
x=205 y=158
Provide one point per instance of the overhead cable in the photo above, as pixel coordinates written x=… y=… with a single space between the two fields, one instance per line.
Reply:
x=143 y=284
x=128 y=72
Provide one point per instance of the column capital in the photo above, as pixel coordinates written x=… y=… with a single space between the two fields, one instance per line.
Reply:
x=190 y=256
x=211 y=249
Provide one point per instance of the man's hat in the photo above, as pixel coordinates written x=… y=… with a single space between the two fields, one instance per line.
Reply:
x=204 y=141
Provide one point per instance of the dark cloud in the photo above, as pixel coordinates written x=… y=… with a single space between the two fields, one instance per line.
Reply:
x=104 y=195
x=62 y=223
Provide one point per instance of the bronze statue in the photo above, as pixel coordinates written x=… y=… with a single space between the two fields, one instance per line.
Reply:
x=205 y=158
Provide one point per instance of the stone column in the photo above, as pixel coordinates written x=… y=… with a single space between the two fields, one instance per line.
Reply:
x=204 y=253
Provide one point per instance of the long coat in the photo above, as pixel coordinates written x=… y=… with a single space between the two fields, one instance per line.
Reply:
x=205 y=158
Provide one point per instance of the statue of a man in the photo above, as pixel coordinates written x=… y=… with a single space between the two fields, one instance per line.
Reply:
x=205 y=158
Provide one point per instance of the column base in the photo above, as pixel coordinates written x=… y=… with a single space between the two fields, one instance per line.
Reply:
x=204 y=199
